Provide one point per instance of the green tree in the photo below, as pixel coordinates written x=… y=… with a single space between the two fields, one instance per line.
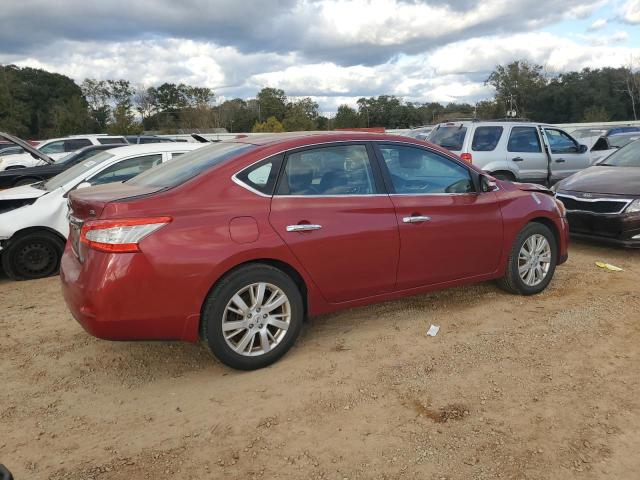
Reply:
x=517 y=85
x=271 y=125
x=595 y=114
x=346 y=117
x=123 y=120
x=272 y=102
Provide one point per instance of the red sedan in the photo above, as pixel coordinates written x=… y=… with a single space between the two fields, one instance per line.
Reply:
x=237 y=242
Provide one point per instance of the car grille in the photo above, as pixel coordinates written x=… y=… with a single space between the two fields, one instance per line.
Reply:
x=596 y=205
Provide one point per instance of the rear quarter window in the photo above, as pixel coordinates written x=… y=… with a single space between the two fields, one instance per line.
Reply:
x=449 y=137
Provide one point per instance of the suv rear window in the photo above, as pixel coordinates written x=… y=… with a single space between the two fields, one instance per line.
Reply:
x=485 y=139
x=449 y=137
x=173 y=173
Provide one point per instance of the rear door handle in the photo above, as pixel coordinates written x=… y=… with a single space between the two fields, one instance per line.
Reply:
x=416 y=219
x=560 y=160
x=303 y=227
x=518 y=159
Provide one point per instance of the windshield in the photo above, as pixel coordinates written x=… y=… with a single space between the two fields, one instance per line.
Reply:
x=189 y=165
x=627 y=156
x=449 y=137
x=76 y=171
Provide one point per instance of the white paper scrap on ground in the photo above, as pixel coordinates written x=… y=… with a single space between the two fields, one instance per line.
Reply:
x=433 y=330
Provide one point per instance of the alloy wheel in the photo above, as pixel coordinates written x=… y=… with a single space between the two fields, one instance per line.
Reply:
x=534 y=260
x=256 y=319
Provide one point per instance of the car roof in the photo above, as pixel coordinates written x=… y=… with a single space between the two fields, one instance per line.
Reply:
x=311 y=138
x=154 y=148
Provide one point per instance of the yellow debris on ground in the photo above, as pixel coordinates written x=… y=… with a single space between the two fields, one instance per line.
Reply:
x=608 y=266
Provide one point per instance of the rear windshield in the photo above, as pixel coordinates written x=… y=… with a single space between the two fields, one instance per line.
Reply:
x=449 y=137
x=189 y=165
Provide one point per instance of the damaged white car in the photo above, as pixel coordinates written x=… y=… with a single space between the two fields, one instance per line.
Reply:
x=33 y=218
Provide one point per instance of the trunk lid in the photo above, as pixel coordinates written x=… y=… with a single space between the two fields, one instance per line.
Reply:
x=89 y=203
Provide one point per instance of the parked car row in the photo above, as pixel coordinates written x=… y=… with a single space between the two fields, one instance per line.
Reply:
x=14 y=156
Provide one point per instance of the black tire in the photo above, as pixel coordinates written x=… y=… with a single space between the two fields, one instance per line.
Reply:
x=508 y=176
x=216 y=303
x=512 y=282
x=32 y=255
x=26 y=181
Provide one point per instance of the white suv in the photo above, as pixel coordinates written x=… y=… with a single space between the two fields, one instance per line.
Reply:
x=517 y=151
x=56 y=148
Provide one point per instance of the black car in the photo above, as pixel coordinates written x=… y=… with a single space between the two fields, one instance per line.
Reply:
x=603 y=201
x=25 y=176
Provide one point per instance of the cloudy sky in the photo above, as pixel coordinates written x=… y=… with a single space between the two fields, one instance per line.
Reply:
x=333 y=50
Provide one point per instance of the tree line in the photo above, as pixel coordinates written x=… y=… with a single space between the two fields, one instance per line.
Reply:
x=35 y=103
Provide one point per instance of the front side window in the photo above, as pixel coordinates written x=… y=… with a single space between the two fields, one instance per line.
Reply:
x=53 y=147
x=126 y=169
x=415 y=171
x=524 y=140
x=485 y=139
x=335 y=170
x=560 y=142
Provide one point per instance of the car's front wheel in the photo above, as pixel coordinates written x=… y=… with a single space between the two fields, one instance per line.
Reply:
x=252 y=317
x=32 y=255
x=532 y=260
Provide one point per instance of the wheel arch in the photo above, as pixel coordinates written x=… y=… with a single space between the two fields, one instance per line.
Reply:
x=38 y=229
x=547 y=222
x=285 y=267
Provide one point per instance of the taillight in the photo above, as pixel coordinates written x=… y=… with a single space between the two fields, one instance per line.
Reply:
x=466 y=157
x=119 y=235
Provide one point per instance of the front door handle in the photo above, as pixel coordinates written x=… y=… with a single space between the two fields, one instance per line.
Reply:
x=560 y=160
x=303 y=227
x=518 y=159
x=416 y=219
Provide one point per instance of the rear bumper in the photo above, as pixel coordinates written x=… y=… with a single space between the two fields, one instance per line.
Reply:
x=112 y=298
x=617 y=230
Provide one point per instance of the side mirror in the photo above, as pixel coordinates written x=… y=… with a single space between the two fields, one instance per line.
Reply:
x=83 y=185
x=583 y=149
x=488 y=184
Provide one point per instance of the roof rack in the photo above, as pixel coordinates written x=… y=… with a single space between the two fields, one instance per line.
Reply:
x=508 y=119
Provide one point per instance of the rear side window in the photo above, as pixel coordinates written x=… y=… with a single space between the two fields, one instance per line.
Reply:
x=262 y=176
x=524 y=139
x=171 y=174
x=449 y=137
x=76 y=144
x=485 y=139
x=336 y=170
x=111 y=141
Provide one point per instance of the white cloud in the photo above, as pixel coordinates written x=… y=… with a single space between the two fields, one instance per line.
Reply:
x=631 y=11
x=598 y=25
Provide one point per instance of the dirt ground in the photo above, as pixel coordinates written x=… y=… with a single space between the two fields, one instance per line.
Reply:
x=542 y=387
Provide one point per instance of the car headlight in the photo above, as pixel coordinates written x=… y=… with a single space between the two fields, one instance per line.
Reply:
x=633 y=207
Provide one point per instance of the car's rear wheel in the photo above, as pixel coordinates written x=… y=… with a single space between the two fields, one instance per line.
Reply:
x=33 y=255
x=26 y=181
x=252 y=317
x=532 y=260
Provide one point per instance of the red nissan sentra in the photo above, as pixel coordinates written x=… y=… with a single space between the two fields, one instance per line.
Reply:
x=237 y=242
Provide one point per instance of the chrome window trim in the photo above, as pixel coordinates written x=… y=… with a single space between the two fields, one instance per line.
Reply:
x=240 y=183
x=624 y=201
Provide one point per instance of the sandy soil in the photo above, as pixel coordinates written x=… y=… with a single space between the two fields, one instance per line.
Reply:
x=512 y=387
